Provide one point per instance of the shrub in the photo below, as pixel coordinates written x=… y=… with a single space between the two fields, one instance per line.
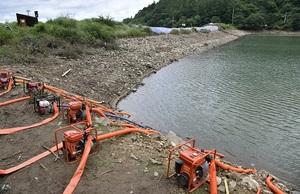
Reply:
x=184 y=31
x=204 y=31
x=5 y=35
x=223 y=26
x=175 y=32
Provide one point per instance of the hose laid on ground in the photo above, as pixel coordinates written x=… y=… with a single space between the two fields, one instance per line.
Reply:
x=275 y=189
x=30 y=161
x=16 y=129
x=14 y=101
x=78 y=173
x=240 y=170
x=10 y=83
x=213 y=177
x=101 y=113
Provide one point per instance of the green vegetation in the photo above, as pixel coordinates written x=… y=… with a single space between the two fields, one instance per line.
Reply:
x=242 y=14
x=63 y=36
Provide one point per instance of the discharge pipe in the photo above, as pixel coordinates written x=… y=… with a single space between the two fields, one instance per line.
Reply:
x=16 y=129
x=240 y=170
x=275 y=189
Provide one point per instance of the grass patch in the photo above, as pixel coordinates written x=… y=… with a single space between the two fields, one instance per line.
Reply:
x=64 y=37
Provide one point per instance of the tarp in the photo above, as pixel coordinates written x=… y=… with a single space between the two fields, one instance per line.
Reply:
x=162 y=30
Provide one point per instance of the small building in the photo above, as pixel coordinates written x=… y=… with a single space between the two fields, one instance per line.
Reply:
x=26 y=20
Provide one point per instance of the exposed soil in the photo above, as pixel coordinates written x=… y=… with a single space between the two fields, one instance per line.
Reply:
x=123 y=164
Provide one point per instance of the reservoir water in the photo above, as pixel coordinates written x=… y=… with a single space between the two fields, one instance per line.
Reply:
x=242 y=98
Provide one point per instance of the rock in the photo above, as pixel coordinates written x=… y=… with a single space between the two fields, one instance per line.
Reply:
x=102 y=121
x=5 y=188
x=250 y=183
x=267 y=192
x=174 y=139
x=146 y=170
x=232 y=185
x=263 y=174
x=133 y=156
x=221 y=188
x=153 y=161
x=219 y=180
x=235 y=176
x=156 y=174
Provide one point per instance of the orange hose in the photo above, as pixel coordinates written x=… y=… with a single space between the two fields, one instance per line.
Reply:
x=122 y=132
x=240 y=170
x=78 y=173
x=14 y=101
x=30 y=161
x=88 y=115
x=127 y=125
x=213 y=177
x=9 y=87
x=273 y=187
x=16 y=129
x=102 y=114
x=259 y=191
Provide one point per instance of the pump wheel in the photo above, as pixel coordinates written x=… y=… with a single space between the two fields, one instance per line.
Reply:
x=184 y=179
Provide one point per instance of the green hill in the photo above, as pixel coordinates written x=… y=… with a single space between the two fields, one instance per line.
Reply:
x=243 y=14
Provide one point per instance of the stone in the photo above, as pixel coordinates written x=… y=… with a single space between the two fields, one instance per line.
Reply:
x=174 y=139
x=102 y=121
x=133 y=156
x=219 y=180
x=232 y=185
x=153 y=161
x=156 y=174
x=250 y=183
x=235 y=176
x=264 y=174
x=267 y=192
x=221 y=188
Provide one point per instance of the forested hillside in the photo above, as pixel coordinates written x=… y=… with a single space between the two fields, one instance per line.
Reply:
x=243 y=14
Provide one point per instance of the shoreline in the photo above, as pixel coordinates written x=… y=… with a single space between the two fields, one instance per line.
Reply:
x=229 y=35
x=218 y=42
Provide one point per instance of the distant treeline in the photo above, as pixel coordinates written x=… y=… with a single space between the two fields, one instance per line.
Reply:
x=243 y=14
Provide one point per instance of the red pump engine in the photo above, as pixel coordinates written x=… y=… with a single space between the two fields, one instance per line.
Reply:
x=36 y=88
x=192 y=165
x=5 y=76
x=74 y=141
x=44 y=103
x=76 y=111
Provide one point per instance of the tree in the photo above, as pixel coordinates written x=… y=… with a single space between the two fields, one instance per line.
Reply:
x=254 y=22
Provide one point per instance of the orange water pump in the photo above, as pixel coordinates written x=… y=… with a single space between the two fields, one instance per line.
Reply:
x=33 y=88
x=74 y=140
x=192 y=165
x=5 y=76
x=76 y=111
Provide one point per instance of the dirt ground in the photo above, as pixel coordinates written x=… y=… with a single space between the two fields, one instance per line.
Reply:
x=123 y=164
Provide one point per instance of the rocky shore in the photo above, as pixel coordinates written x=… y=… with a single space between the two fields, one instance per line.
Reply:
x=110 y=75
